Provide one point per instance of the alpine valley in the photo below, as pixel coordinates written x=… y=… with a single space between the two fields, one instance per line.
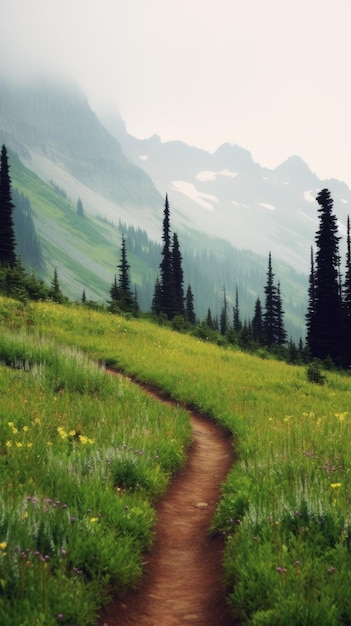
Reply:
x=228 y=211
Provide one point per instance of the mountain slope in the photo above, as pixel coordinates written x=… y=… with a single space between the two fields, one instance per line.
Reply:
x=56 y=134
x=217 y=201
x=227 y=194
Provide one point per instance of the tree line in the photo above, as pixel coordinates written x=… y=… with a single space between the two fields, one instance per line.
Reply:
x=15 y=282
x=328 y=317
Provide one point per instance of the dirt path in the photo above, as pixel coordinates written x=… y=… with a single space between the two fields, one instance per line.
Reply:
x=182 y=584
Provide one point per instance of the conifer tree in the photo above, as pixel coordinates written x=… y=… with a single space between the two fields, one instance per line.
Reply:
x=281 y=333
x=270 y=320
x=311 y=307
x=325 y=331
x=168 y=290
x=257 y=323
x=209 y=321
x=346 y=302
x=7 y=233
x=189 y=306
x=178 y=275
x=55 y=292
x=122 y=297
x=223 y=320
x=114 y=292
x=236 y=314
x=347 y=282
x=157 y=298
x=273 y=316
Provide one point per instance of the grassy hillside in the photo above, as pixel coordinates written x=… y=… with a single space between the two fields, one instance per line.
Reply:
x=285 y=506
x=86 y=250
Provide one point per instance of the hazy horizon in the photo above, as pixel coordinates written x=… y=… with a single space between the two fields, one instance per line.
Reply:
x=270 y=77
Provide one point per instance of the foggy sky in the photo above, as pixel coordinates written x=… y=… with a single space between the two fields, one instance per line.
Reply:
x=270 y=75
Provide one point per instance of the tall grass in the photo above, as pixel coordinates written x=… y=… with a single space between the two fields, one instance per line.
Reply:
x=285 y=509
x=83 y=457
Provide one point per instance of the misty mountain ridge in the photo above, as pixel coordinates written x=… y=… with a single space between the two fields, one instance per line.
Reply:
x=223 y=204
x=229 y=195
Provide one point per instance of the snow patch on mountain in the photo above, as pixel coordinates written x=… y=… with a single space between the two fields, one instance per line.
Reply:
x=208 y=175
x=309 y=196
x=266 y=205
x=190 y=191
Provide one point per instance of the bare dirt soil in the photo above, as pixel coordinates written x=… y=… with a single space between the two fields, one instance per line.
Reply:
x=183 y=581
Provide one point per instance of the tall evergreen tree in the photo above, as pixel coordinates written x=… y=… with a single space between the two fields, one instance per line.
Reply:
x=257 y=323
x=273 y=316
x=189 y=306
x=347 y=282
x=236 y=313
x=270 y=320
x=7 y=232
x=178 y=275
x=121 y=294
x=168 y=292
x=346 y=302
x=157 y=298
x=209 y=320
x=223 y=320
x=311 y=307
x=281 y=333
x=55 y=292
x=325 y=332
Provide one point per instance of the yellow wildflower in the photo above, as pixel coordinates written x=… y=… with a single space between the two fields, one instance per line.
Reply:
x=25 y=429
x=94 y=519
x=3 y=545
x=8 y=444
x=19 y=444
x=335 y=485
x=83 y=439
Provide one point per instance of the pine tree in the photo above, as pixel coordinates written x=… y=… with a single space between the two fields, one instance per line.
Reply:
x=122 y=298
x=274 y=315
x=168 y=291
x=346 y=301
x=209 y=321
x=114 y=293
x=189 y=306
x=311 y=307
x=325 y=329
x=223 y=320
x=236 y=313
x=157 y=297
x=55 y=292
x=257 y=323
x=178 y=275
x=7 y=232
x=270 y=320
x=281 y=333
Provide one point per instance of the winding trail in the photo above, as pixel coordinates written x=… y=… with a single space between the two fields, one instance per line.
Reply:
x=183 y=580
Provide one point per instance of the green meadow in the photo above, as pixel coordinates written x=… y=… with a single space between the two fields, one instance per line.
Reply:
x=85 y=455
